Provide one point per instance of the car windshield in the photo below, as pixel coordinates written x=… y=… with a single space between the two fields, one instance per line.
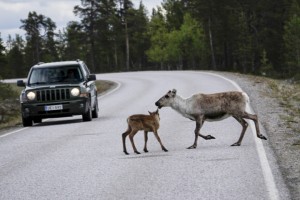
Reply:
x=55 y=75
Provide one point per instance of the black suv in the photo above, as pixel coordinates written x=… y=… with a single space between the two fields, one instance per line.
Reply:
x=58 y=89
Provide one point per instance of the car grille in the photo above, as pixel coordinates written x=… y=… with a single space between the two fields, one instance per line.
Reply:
x=53 y=94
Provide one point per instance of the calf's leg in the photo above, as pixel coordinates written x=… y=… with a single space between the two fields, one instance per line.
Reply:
x=158 y=139
x=124 y=135
x=131 y=135
x=146 y=139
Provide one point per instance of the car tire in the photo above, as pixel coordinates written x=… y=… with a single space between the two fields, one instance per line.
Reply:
x=88 y=115
x=26 y=121
x=37 y=120
x=96 y=109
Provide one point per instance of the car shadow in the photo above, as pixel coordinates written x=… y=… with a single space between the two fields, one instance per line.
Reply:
x=59 y=122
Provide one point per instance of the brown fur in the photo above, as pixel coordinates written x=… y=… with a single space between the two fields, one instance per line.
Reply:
x=148 y=123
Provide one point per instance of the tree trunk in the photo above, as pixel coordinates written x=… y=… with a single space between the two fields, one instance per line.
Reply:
x=213 y=60
x=127 y=45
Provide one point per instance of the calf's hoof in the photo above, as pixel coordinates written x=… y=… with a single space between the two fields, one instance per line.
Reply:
x=165 y=150
x=126 y=153
x=146 y=151
x=137 y=152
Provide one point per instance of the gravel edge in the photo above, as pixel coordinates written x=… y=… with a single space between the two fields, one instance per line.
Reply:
x=283 y=139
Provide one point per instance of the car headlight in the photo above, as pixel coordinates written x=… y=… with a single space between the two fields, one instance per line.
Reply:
x=31 y=95
x=75 y=92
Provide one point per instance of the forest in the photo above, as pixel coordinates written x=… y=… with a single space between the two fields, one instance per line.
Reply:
x=246 y=36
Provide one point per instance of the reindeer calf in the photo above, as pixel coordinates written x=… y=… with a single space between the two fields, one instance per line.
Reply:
x=148 y=123
x=211 y=107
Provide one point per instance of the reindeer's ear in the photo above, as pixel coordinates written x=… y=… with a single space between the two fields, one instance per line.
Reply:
x=174 y=92
x=149 y=112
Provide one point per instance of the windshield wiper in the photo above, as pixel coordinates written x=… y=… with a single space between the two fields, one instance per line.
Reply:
x=38 y=83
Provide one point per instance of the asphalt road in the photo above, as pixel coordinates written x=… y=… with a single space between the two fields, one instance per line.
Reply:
x=66 y=158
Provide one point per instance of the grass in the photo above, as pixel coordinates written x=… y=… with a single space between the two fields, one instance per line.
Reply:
x=288 y=93
x=10 y=114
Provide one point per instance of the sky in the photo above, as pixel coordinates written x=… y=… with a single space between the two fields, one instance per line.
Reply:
x=60 y=11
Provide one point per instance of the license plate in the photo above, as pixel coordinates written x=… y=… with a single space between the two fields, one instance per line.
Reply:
x=54 y=107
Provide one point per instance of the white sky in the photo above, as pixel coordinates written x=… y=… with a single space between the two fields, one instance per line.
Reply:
x=60 y=11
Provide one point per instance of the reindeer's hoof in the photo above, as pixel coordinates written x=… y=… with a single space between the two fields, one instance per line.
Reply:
x=165 y=150
x=126 y=153
x=262 y=137
x=236 y=144
x=192 y=147
x=137 y=152
x=145 y=150
x=209 y=137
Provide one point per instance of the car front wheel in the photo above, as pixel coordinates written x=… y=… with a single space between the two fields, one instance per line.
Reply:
x=95 y=110
x=88 y=115
x=27 y=121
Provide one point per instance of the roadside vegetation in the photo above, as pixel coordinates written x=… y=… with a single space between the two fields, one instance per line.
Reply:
x=287 y=94
x=10 y=115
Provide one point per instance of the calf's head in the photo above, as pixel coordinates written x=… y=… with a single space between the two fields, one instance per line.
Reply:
x=166 y=100
x=154 y=114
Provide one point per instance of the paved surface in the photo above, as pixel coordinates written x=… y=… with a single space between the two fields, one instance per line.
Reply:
x=69 y=159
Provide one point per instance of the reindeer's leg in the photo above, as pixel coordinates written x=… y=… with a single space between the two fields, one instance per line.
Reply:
x=254 y=118
x=245 y=125
x=131 y=135
x=158 y=139
x=206 y=137
x=146 y=139
x=124 y=135
x=198 y=126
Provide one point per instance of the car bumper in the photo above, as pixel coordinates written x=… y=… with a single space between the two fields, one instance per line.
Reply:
x=69 y=108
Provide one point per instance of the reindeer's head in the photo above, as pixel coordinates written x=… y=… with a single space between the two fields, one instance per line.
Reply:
x=166 y=100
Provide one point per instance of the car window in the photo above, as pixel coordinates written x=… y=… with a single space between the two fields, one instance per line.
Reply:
x=86 y=70
x=56 y=75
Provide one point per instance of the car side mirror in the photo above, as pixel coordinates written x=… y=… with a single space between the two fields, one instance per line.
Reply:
x=20 y=83
x=92 y=77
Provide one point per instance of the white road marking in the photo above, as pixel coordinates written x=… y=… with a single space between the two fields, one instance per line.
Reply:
x=266 y=169
x=9 y=133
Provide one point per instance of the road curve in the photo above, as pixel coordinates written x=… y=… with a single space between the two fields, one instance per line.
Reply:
x=66 y=158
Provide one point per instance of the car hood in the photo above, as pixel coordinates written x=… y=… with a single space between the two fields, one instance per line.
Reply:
x=38 y=87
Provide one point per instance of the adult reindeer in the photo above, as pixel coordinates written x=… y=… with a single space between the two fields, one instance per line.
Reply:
x=211 y=107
